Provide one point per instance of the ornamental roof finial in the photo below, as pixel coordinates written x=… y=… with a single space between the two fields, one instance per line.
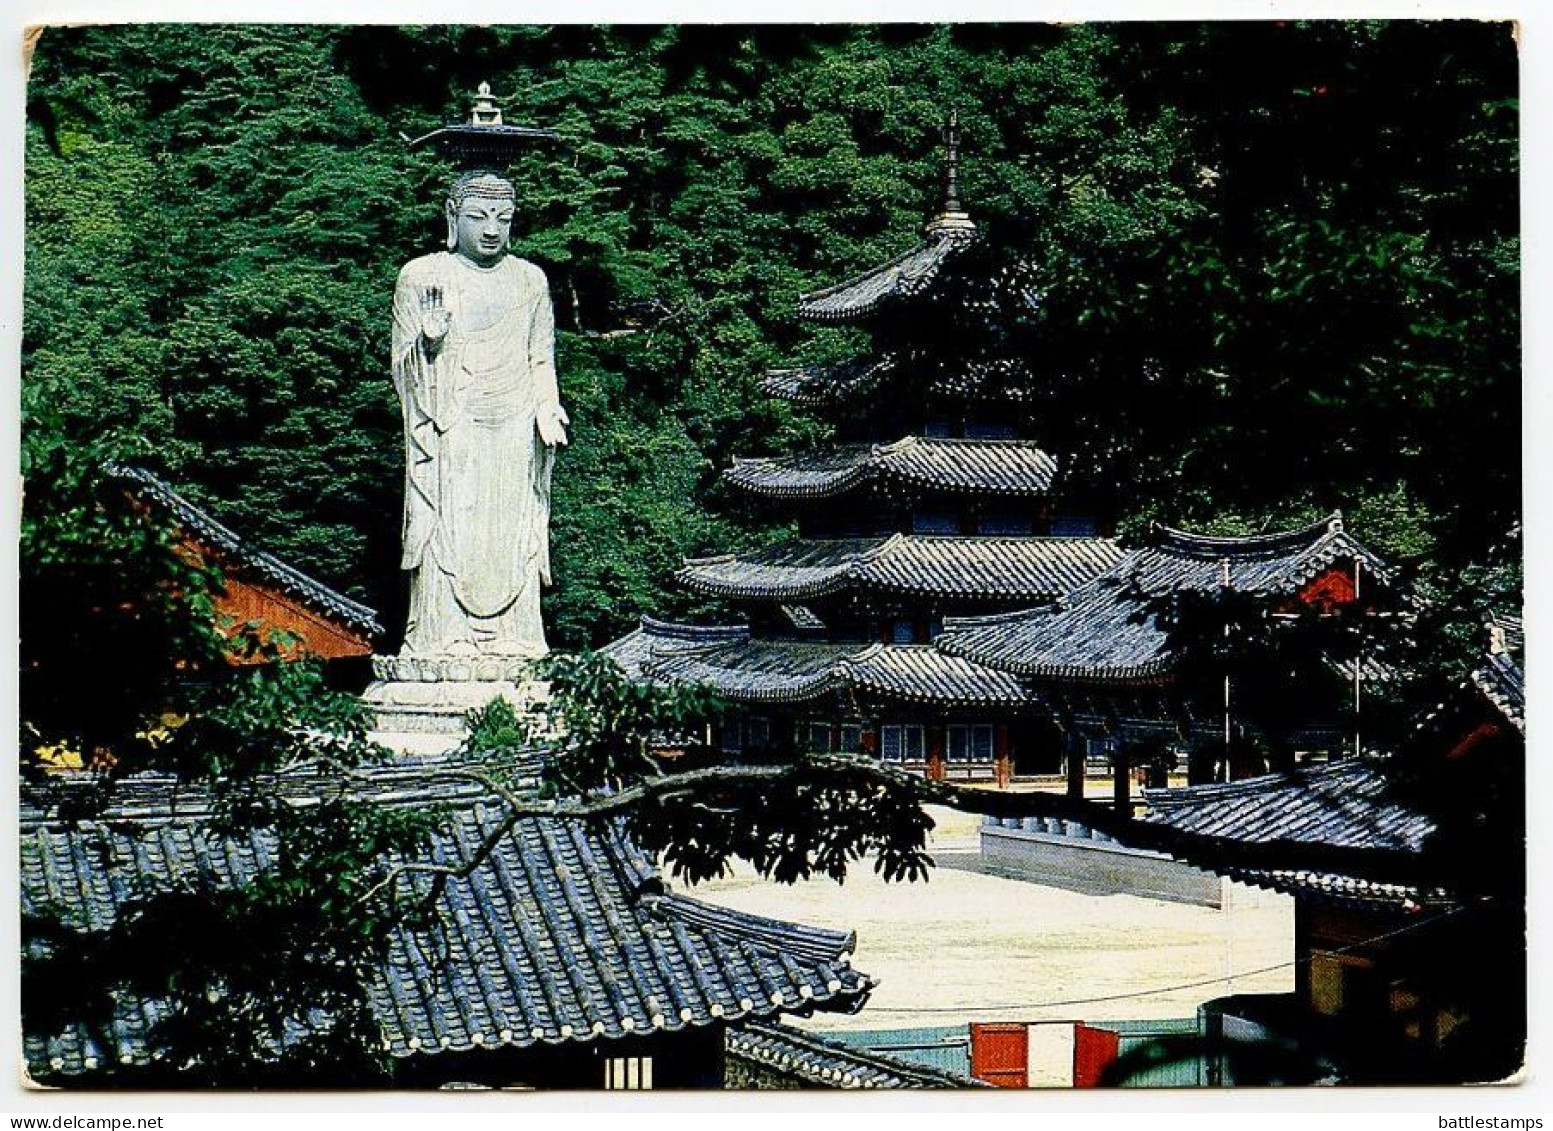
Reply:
x=484 y=141
x=952 y=217
x=485 y=111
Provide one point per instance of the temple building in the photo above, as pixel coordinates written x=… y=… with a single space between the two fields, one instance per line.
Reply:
x=934 y=502
x=258 y=589
x=1104 y=662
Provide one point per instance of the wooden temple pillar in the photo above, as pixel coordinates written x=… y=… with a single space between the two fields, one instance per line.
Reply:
x=1003 y=762
x=1121 y=768
x=1075 y=765
x=935 y=752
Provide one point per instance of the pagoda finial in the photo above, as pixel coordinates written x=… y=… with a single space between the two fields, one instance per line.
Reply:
x=952 y=217
x=485 y=111
x=952 y=162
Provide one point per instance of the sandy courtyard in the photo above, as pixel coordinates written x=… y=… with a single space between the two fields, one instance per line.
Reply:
x=967 y=946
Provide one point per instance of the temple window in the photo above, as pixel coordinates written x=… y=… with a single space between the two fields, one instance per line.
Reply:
x=989 y=430
x=733 y=734
x=970 y=742
x=902 y=743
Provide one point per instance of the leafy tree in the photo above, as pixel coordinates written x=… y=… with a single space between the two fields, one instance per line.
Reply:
x=123 y=659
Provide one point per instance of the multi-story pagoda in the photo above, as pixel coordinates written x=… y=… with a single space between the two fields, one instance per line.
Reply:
x=933 y=502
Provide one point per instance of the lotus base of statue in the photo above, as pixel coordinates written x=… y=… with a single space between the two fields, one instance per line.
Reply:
x=421 y=703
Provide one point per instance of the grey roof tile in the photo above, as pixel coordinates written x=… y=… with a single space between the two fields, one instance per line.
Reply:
x=948 y=566
x=994 y=380
x=818 y=1061
x=790 y=671
x=1503 y=684
x=564 y=934
x=907 y=275
x=1347 y=804
x=1013 y=468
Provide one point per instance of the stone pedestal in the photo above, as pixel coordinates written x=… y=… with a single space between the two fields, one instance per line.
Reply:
x=421 y=702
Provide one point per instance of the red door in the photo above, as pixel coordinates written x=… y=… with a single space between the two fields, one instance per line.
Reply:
x=1094 y=1051
x=1000 y=1053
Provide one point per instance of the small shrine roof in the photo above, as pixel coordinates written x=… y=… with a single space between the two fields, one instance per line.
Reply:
x=1345 y=805
x=907 y=275
x=566 y=933
x=990 y=467
x=1011 y=568
x=790 y=671
x=201 y=527
x=816 y=1060
x=1102 y=630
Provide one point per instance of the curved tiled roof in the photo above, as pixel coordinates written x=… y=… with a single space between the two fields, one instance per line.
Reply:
x=632 y=651
x=565 y=933
x=1011 y=568
x=202 y=527
x=1345 y=804
x=792 y=671
x=815 y=386
x=814 y=1060
x=828 y=384
x=985 y=467
x=905 y=276
x=784 y=671
x=1103 y=630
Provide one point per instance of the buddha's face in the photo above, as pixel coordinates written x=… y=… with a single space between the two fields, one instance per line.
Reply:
x=482 y=227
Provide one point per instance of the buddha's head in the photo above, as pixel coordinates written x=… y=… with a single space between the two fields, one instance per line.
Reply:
x=479 y=212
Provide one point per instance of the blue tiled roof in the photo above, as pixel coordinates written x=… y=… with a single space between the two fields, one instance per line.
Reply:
x=1103 y=631
x=1346 y=805
x=289 y=580
x=566 y=933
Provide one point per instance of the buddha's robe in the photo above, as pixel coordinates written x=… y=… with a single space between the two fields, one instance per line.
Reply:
x=477 y=474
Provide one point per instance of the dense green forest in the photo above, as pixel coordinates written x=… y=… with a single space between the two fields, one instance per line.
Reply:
x=1279 y=266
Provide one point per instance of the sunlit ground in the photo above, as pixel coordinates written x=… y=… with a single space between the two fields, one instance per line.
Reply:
x=967 y=946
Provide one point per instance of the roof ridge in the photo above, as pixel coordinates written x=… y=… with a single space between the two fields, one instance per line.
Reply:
x=1189 y=543
x=652 y=626
x=956 y=624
